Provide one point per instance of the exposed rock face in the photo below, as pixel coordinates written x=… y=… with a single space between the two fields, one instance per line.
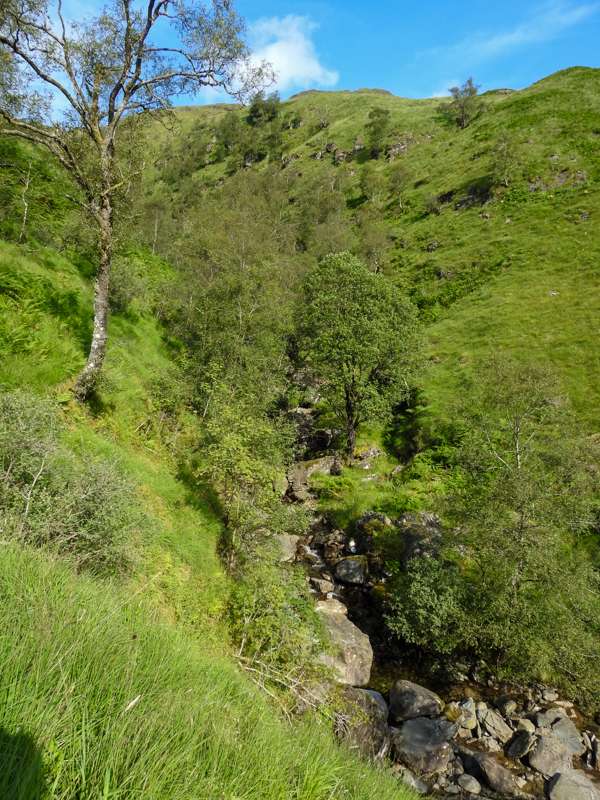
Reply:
x=362 y=724
x=573 y=785
x=422 y=535
x=423 y=744
x=550 y=755
x=409 y=700
x=299 y=474
x=352 y=569
x=352 y=655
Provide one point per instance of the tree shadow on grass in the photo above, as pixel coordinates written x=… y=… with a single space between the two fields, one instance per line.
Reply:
x=21 y=767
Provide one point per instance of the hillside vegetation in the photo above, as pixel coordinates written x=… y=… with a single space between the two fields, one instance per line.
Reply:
x=138 y=564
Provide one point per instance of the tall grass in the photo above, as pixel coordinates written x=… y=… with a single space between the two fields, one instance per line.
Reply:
x=101 y=701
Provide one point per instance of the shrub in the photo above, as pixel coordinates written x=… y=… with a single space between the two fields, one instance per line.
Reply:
x=85 y=510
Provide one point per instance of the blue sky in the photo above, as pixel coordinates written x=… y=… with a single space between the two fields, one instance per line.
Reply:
x=420 y=49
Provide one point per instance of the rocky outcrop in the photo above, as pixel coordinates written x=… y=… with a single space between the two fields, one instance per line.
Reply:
x=573 y=785
x=351 y=655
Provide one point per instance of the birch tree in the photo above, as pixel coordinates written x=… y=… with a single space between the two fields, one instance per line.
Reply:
x=75 y=87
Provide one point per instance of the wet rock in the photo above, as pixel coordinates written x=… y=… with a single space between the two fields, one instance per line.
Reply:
x=408 y=700
x=573 y=785
x=422 y=744
x=493 y=724
x=469 y=784
x=362 y=723
x=352 y=570
x=550 y=755
x=352 y=656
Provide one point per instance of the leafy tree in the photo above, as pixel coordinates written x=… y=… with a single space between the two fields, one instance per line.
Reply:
x=373 y=184
x=465 y=103
x=106 y=71
x=514 y=585
x=376 y=129
x=504 y=160
x=263 y=109
x=358 y=336
x=399 y=178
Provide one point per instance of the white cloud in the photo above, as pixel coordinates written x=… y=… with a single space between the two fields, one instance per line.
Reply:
x=443 y=89
x=287 y=44
x=546 y=23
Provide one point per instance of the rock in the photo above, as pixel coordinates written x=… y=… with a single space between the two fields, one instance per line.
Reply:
x=546 y=719
x=288 y=544
x=487 y=770
x=414 y=783
x=506 y=706
x=493 y=724
x=549 y=695
x=352 y=570
x=526 y=725
x=322 y=585
x=362 y=723
x=421 y=536
x=352 y=656
x=490 y=745
x=520 y=745
x=422 y=744
x=469 y=718
x=573 y=785
x=550 y=755
x=367 y=526
x=565 y=730
x=409 y=700
x=469 y=784
x=299 y=474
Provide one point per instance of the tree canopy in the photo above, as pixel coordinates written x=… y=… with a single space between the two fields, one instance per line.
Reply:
x=358 y=337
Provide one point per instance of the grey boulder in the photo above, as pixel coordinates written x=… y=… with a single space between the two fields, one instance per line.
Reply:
x=493 y=724
x=362 y=723
x=490 y=772
x=351 y=655
x=352 y=570
x=422 y=744
x=550 y=755
x=408 y=700
x=573 y=785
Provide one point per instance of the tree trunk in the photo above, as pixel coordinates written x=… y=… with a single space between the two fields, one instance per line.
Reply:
x=88 y=378
x=350 y=424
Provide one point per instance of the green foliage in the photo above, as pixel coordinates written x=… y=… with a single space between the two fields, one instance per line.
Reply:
x=358 y=337
x=376 y=129
x=273 y=622
x=465 y=104
x=85 y=511
x=514 y=581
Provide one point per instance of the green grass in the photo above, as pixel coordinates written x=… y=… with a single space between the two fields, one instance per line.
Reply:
x=117 y=691
x=103 y=700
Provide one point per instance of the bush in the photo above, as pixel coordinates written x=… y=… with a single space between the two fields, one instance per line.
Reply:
x=86 y=509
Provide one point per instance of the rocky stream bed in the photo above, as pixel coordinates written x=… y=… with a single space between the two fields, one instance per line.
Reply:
x=472 y=737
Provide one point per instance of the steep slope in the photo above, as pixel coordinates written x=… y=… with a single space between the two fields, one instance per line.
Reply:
x=127 y=687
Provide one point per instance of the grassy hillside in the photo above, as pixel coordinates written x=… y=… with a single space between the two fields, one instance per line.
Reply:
x=492 y=267
x=126 y=688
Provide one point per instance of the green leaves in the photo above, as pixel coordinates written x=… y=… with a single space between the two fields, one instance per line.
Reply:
x=359 y=339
